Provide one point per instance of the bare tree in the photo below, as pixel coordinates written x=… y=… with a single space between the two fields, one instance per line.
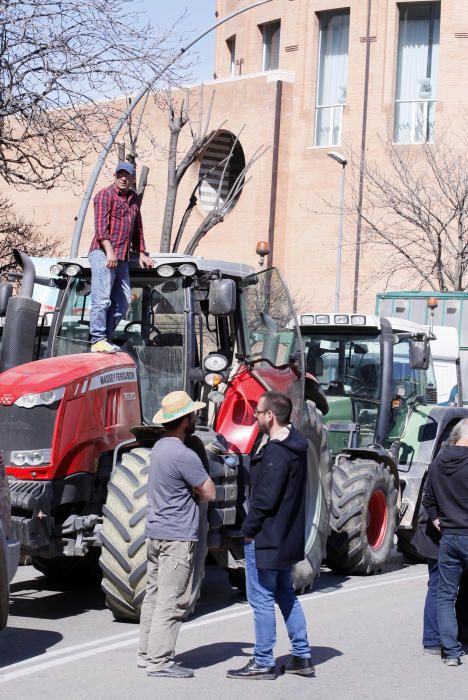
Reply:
x=59 y=61
x=178 y=118
x=15 y=232
x=415 y=213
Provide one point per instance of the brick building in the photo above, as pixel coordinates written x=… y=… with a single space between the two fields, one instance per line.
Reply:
x=305 y=77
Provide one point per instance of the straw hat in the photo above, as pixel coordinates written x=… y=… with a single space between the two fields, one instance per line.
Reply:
x=175 y=405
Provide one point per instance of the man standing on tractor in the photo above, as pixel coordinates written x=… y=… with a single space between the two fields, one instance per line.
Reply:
x=274 y=539
x=446 y=502
x=118 y=228
x=177 y=482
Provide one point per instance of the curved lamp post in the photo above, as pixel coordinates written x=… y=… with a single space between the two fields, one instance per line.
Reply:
x=115 y=131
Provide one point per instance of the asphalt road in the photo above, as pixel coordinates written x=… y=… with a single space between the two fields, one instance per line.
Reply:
x=365 y=636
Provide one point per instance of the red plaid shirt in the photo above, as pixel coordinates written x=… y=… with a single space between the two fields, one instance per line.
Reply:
x=117 y=219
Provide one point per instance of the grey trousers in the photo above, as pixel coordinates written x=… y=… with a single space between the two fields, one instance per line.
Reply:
x=167 y=597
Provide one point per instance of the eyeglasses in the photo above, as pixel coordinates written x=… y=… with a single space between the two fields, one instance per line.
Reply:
x=257 y=412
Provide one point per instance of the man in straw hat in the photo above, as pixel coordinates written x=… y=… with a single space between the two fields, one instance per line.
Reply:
x=177 y=482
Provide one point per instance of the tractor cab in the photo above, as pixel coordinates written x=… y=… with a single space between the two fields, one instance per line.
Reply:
x=181 y=313
x=369 y=373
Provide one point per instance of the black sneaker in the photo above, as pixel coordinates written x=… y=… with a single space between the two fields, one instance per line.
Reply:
x=300 y=666
x=172 y=671
x=254 y=672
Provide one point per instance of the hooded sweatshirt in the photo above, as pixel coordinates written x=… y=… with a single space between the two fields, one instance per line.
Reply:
x=276 y=516
x=446 y=490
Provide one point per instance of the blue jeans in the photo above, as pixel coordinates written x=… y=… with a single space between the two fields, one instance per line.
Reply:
x=264 y=588
x=431 y=637
x=453 y=560
x=110 y=295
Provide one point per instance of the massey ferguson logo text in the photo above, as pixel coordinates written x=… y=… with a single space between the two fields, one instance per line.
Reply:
x=115 y=377
x=119 y=376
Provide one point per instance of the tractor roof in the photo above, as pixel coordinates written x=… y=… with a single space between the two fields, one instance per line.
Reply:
x=227 y=268
x=357 y=322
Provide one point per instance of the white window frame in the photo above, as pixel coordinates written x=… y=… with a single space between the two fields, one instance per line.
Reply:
x=267 y=45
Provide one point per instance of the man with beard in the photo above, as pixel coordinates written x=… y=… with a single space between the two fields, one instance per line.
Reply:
x=274 y=539
x=177 y=482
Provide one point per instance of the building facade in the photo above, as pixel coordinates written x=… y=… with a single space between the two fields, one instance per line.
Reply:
x=306 y=78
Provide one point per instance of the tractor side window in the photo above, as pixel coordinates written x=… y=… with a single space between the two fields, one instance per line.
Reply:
x=410 y=387
x=73 y=332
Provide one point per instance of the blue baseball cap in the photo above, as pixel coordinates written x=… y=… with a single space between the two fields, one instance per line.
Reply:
x=125 y=165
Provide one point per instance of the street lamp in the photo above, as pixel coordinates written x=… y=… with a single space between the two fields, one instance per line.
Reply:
x=343 y=162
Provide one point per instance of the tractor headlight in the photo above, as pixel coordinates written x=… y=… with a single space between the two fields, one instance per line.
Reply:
x=44 y=398
x=187 y=269
x=30 y=458
x=215 y=362
x=165 y=271
x=72 y=270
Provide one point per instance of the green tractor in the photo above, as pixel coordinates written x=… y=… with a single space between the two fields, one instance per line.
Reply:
x=384 y=429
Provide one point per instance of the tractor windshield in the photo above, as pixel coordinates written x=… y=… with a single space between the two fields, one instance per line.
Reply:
x=348 y=370
x=153 y=334
x=271 y=336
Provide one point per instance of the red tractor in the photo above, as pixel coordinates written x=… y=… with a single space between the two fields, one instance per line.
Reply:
x=77 y=427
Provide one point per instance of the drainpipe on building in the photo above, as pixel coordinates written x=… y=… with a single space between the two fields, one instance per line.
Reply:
x=362 y=164
x=274 y=171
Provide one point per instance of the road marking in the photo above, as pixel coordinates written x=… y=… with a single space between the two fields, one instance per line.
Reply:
x=100 y=646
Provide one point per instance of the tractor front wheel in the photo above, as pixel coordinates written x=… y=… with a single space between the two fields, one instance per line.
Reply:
x=123 y=557
x=363 y=517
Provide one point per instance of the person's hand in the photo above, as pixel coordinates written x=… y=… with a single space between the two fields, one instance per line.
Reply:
x=145 y=261
x=111 y=260
x=436 y=524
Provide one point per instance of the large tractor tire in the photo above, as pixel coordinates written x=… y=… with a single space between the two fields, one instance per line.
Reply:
x=318 y=497
x=4 y=588
x=123 y=558
x=363 y=516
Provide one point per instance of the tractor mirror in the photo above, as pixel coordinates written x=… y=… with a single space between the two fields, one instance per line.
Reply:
x=222 y=297
x=419 y=354
x=6 y=291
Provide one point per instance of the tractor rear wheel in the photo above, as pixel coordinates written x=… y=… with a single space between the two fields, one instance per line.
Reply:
x=363 y=517
x=318 y=497
x=123 y=557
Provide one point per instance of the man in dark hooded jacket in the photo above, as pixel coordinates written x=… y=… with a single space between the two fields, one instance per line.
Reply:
x=274 y=539
x=446 y=502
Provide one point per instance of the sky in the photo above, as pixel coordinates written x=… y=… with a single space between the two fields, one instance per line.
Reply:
x=200 y=16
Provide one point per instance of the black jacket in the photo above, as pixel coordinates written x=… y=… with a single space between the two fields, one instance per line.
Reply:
x=276 y=517
x=446 y=491
x=426 y=537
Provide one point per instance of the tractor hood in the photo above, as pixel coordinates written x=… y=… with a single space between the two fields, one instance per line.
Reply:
x=54 y=372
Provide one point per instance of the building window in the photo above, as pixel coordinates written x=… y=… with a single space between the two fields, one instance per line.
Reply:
x=219 y=173
x=271 y=45
x=332 y=77
x=231 y=47
x=417 y=68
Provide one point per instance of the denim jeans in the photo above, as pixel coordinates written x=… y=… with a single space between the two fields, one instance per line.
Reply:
x=453 y=560
x=264 y=588
x=431 y=637
x=110 y=295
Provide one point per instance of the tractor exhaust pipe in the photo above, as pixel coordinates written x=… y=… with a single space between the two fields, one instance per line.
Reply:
x=29 y=272
x=22 y=314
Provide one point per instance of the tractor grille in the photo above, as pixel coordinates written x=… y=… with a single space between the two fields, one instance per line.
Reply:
x=26 y=428
x=431 y=394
